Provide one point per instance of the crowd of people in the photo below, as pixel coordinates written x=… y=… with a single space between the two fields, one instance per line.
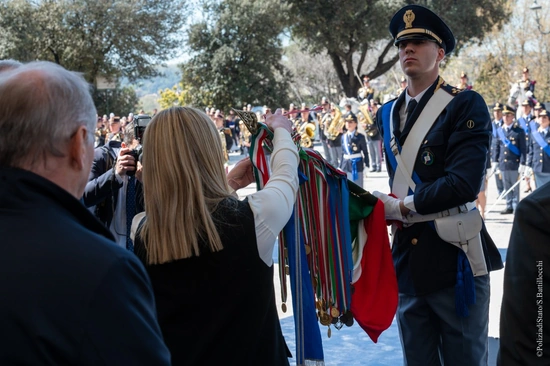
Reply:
x=118 y=250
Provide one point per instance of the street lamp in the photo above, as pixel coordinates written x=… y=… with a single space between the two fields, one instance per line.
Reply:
x=536 y=7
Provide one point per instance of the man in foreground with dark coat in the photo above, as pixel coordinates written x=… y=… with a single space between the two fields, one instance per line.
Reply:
x=524 y=330
x=70 y=296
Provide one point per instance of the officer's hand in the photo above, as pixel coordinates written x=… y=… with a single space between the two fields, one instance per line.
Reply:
x=494 y=166
x=391 y=206
x=125 y=162
x=521 y=169
x=528 y=172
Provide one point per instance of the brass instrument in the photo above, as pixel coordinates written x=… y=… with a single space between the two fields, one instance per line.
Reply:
x=306 y=131
x=336 y=125
x=367 y=120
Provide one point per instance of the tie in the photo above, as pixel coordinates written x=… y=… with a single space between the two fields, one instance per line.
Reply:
x=410 y=107
x=130 y=210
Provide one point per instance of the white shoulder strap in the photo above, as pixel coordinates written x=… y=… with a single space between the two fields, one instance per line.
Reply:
x=402 y=179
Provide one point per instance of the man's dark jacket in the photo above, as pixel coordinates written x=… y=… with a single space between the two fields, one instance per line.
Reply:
x=102 y=189
x=68 y=294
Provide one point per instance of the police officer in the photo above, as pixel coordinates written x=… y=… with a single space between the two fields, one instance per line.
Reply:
x=509 y=151
x=497 y=123
x=527 y=116
x=538 y=157
x=354 y=151
x=464 y=81
x=526 y=83
x=443 y=165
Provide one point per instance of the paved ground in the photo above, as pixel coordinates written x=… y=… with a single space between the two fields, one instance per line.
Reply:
x=351 y=346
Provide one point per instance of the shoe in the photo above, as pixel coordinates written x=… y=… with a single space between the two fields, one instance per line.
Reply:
x=378 y=170
x=372 y=170
x=507 y=211
x=528 y=190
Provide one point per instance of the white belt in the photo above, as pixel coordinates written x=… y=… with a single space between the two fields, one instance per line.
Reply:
x=352 y=156
x=414 y=217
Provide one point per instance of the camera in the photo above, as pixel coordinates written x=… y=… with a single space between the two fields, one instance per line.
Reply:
x=140 y=123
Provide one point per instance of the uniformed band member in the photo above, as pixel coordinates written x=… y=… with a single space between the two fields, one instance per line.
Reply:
x=447 y=132
x=354 y=151
x=464 y=81
x=366 y=91
x=538 y=157
x=403 y=85
x=497 y=122
x=509 y=151
x=538 y=108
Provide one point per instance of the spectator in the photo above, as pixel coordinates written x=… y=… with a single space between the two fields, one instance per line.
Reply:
x=216 y=248
x=69 y=296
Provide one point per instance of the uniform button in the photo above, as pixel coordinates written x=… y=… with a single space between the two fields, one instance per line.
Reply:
x=540 y=154
x=414 y=241
x=540 y=161
x=505 y=160
x=506 y=152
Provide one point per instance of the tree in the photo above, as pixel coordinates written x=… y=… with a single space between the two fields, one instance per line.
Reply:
x=96 y=37
x=120 y=101
x=237 y=55
x=355 y=34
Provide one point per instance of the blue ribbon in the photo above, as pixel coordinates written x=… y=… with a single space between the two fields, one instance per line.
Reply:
x=354 y=161
x=308 y=335
x=539 y=139
x=523 y=123
x=514 y=149
x=464 y=288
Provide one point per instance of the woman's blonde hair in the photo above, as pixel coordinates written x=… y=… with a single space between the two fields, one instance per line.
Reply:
x=183 y=182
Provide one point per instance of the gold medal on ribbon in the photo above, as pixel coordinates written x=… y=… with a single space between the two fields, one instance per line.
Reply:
x=308 y=249
x=334 y=312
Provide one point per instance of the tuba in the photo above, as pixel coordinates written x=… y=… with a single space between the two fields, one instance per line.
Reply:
x=336 y=125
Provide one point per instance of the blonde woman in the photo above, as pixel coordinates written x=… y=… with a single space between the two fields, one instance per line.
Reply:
x=209 y=255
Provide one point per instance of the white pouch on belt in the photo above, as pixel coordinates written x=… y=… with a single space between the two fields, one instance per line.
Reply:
x=463 y=231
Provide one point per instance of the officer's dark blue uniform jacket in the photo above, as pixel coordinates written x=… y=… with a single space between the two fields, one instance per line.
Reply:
x=457 y=144
x=357 y=144
x=537 y=158
x=506 y=158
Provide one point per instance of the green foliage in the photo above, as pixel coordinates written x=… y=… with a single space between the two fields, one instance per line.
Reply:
x=493 y=80
x=355 y=34
x=96 y=37
x=120 y=101
x=237 y=56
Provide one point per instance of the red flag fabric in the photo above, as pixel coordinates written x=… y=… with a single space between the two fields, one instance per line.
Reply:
x=375 y=294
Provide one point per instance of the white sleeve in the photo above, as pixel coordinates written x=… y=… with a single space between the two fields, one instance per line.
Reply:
x=273 y=205
x=409 y=203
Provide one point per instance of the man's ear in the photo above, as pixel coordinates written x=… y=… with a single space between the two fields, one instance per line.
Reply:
x=440 y=54
x=78 y=148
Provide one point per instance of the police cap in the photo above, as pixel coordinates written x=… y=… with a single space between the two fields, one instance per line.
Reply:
x=527 y=102
x=540 y=105
x=418 y=22
x=497 y=107
x=508 y=110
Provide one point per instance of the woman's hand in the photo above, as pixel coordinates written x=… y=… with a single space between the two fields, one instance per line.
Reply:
x=277 y=120
x=241 y=175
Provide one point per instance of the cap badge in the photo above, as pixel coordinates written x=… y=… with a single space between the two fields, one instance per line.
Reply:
x=408 y=18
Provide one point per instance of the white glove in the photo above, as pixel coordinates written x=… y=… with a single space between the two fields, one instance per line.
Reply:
x=391 y=206
x=521 y=169
x=494 y=166
x=528 y=172
x=488 y=173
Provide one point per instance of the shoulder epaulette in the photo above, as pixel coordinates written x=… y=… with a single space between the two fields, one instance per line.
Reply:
x=453 y=90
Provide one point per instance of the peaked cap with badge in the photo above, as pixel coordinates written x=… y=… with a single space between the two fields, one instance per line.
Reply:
x=418 y=22
x=497 y=107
